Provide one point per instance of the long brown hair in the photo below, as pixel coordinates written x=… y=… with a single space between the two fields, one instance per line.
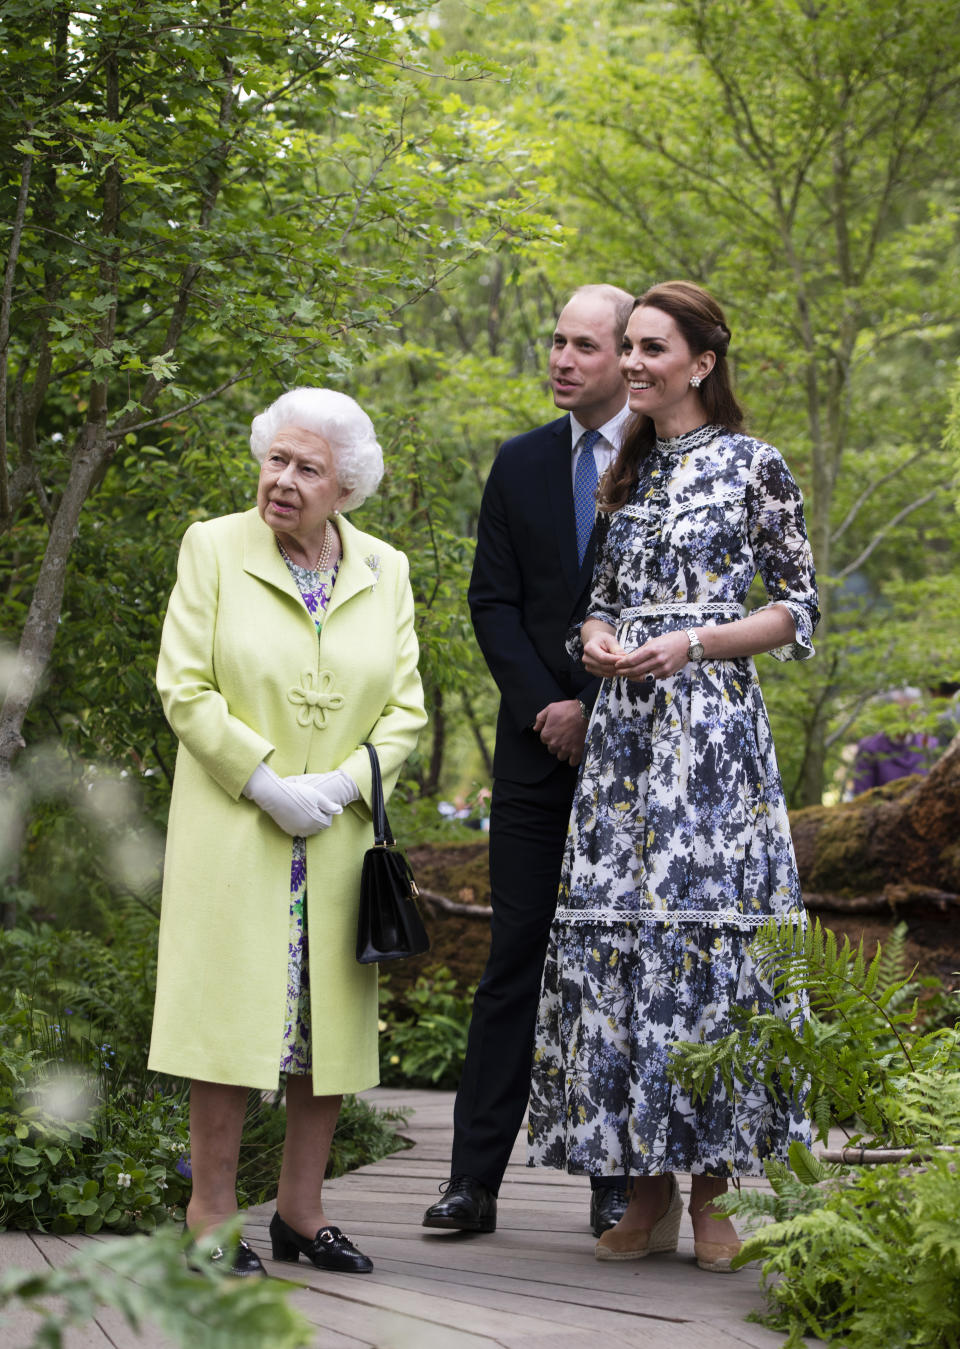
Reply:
x=704 y=328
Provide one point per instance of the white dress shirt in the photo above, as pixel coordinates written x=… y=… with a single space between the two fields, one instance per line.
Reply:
x=606 y=448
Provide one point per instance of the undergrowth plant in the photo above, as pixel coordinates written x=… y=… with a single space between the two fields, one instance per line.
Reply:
x=145 y=1279
x=90 y=1140
x=423 y=1032
x=862 y=1043
x=860 y=1257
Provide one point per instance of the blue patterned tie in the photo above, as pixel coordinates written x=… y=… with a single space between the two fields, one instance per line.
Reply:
x=585 y=491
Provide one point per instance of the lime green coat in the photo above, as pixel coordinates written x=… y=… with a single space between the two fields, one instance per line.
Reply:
x=243 y=678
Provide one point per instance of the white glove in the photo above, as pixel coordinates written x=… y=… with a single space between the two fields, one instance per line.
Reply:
x=331 y=791
x=289 y=804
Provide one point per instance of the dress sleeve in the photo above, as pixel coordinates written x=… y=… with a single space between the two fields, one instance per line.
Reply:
x=778 y=537
x=604 y=600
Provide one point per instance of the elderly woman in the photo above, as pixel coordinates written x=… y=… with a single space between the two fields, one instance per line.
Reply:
x=288 y=642
x=679 y=844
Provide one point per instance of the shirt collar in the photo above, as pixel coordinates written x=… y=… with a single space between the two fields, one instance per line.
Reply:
x=611 y=431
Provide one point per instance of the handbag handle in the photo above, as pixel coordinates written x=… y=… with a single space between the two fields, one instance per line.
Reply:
x=382 y=834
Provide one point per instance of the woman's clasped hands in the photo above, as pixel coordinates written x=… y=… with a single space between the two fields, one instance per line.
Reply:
x=655 y=659
x=303 y=804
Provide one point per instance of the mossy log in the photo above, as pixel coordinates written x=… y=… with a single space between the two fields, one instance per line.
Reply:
x=894 y=849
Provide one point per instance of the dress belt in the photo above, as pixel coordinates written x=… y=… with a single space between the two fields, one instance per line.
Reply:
x=731 y=610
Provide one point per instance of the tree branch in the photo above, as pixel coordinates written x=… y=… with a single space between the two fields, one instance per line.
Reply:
x=869 y=490
x=891 y=524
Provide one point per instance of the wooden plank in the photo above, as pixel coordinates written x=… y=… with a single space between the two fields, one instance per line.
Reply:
x=443 y=1312
x=355 y=1323
x=38 y=1254
x=112 y=1324
x=533 y=1284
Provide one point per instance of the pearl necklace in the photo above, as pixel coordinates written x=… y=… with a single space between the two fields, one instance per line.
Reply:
x=323 y=561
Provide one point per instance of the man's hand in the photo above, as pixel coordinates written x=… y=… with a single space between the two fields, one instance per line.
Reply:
x=562 y=728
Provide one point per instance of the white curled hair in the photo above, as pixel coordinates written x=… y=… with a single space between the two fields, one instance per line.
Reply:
x=357 y=456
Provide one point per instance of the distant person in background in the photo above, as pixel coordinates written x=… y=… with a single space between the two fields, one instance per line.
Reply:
x=881 y=758
x=531 y=578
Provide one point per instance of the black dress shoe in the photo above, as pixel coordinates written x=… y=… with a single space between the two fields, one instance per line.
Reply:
x=329 y=1249
x=244 y=1264
x=607 y=1207
x=466 y=1205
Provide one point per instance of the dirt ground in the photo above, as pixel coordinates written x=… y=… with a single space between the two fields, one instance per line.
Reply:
x=460 y=943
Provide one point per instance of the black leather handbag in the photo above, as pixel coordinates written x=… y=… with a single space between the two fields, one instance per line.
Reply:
x=389 y=926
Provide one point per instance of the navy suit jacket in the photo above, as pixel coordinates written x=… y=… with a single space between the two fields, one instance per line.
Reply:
x=527 y=589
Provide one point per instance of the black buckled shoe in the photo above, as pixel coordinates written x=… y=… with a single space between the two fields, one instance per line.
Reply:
x=329 y=1249
x=466 y=1206
x=244 y=1265
x=607 y=1207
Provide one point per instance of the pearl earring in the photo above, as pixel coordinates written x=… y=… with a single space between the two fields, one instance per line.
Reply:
x=695 y=381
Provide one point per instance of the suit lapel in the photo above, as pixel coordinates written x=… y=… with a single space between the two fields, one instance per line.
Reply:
x=560 y=497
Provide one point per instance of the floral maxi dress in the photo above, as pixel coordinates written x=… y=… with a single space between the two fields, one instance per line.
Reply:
x=679 y=844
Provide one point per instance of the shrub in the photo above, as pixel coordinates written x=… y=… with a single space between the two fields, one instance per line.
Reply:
x=423 y=1034
x=146 y=1280
x=91 y=1141
x=858 y=1256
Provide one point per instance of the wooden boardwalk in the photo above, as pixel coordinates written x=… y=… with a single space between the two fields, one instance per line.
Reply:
x=533 y=1284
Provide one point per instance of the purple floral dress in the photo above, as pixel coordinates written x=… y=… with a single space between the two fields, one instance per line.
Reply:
x=316 y=588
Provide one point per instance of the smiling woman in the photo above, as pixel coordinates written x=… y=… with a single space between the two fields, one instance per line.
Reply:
x=288 y=643
x=679 y=844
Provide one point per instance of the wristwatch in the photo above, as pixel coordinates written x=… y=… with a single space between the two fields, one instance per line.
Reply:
x=695 y=649
x=584 y=709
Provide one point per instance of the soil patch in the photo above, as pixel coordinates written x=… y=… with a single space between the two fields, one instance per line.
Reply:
x=459 y=942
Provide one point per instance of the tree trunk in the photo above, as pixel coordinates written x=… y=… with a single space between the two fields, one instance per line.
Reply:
x=894 y=848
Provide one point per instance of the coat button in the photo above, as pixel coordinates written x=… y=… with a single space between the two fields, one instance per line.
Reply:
x=313 y=698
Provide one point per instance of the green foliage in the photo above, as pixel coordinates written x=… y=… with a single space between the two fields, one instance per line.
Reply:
x=363 y=1135
x=859 y=1256
x=99 y=994
x=146 y=1281
x=857 y=1050
x=90 y=1140
x=77 y=1151
x=423 y=1035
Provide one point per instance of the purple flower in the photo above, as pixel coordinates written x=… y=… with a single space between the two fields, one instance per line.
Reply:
x=183 y=1167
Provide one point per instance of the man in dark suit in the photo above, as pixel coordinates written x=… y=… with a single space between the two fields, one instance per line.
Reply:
x=530 y=582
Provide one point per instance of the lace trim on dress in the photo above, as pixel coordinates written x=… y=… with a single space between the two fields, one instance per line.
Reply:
x=707 y=917
x=690 y=440
x=654 y=610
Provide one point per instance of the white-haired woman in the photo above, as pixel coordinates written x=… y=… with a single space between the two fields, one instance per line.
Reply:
x=288 y=642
